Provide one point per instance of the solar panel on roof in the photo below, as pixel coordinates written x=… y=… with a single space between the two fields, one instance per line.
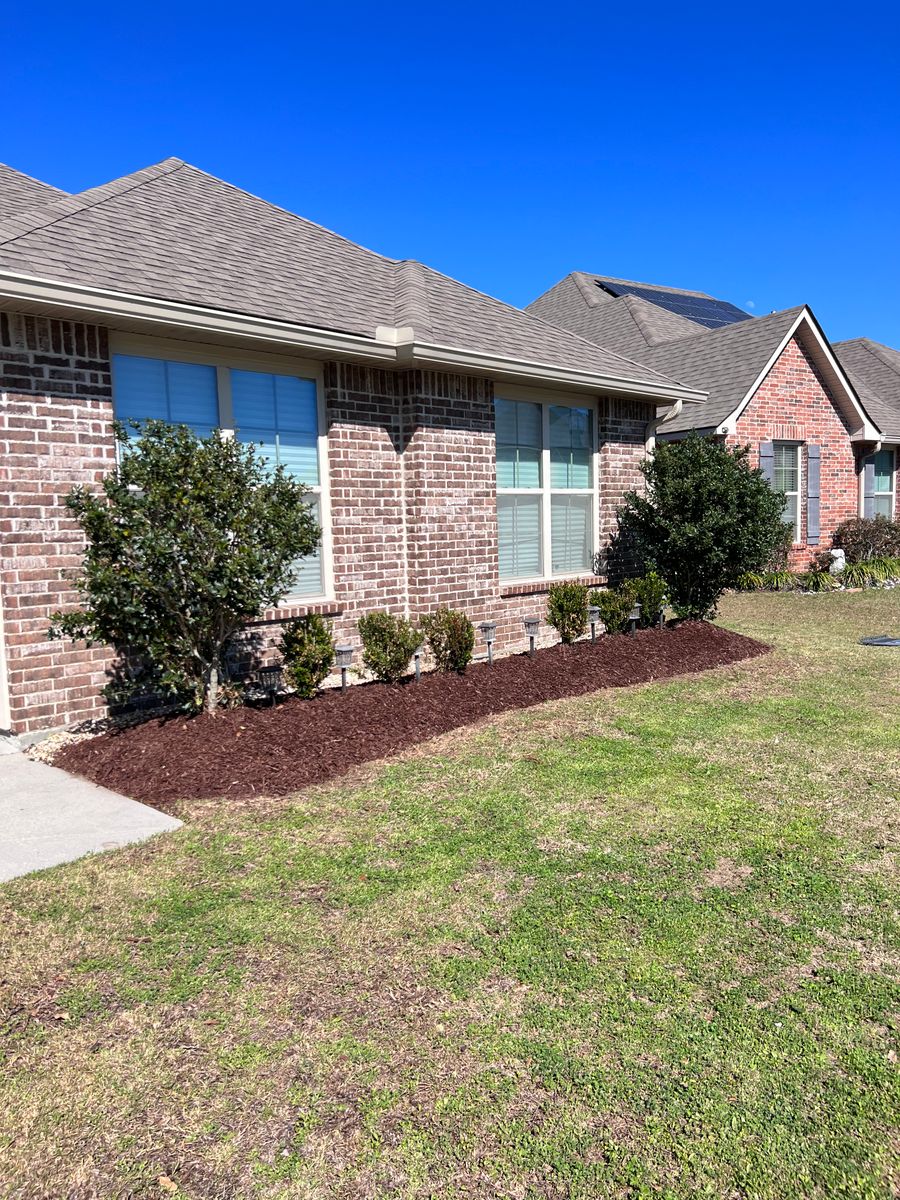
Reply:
x=702 y=310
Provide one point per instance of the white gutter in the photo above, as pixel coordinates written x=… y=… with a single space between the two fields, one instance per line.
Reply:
x=424 y=353
x=98 y=302
x=389 y=346
x=653 y=426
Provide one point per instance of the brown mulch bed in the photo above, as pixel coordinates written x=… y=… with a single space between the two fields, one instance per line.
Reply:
x=275 y=751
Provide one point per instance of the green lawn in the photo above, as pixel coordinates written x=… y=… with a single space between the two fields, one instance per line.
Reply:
x=642 y=943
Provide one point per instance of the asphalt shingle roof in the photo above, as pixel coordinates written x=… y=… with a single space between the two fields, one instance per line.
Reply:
x=19 y=193
x=173 y=232
x=725 y=362
x=874 y=371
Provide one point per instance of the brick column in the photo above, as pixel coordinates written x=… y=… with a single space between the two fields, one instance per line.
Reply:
x=55 y=432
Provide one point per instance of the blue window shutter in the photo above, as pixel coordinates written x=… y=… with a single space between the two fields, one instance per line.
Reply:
x=767 y=461
x=813 y=473
x=869 y=486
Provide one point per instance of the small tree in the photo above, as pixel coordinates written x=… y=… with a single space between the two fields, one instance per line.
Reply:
x=707 y=518
x=189 y=539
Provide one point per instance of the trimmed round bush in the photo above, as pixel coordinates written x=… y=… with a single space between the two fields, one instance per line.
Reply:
x=651 y=592
x=567 y=607
x=615 y=606
x=307 y=647
x=451 y=639
x=389 y=643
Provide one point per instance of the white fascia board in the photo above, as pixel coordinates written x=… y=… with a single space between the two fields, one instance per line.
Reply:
x=527 y=371
x=866 y=432
x=101 y=304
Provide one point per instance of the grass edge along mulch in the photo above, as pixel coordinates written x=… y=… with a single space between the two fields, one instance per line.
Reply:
x=275 y=751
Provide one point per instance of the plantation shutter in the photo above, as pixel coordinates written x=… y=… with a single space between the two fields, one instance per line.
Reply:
x=767 y=460
x=869 y=486
x=813 y=472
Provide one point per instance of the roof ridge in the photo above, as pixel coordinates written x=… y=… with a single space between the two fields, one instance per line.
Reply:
x=67 y=205
x=290 y=213
x=411 y=305
x=750 y=323
x=659 y=287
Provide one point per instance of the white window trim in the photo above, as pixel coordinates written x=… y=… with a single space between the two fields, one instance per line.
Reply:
x=225 y=360
x=546 y=491
x=797 y=447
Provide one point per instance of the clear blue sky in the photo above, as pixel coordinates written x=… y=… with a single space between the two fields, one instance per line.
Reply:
x=749 y=151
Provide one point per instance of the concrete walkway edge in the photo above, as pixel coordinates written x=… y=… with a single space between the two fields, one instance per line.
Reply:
x=49 y=817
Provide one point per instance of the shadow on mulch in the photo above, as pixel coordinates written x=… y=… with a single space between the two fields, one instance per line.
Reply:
x=274 y=751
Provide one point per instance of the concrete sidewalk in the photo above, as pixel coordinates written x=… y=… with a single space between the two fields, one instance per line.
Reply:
x=49 y=817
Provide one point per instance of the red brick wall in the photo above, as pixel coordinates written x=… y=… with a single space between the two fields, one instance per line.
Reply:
x=412 y=490
x=793 y=403
x=55 y=432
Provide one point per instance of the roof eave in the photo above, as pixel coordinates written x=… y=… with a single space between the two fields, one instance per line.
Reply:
x=532 y=372
x=150 y=314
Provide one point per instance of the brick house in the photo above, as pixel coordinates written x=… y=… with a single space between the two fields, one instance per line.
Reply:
x=458 y=450
x=772 y=382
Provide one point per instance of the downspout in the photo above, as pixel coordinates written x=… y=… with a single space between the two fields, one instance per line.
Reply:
x=652 y=426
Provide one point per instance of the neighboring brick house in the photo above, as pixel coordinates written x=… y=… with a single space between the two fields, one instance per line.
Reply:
x=874 y=371
x=459 y=451
x=772 y=382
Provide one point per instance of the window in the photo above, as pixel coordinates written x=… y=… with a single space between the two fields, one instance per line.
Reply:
x=279 y=413
x=787 y=479
x=883 y=482
x=546 y=489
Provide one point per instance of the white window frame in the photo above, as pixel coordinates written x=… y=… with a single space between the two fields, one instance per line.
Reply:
x=546 y=491
x=797 y=447
x=225 y=361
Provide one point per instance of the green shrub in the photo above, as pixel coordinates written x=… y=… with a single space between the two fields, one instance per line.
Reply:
x=706 y=518
x=651 y=593
x=863 y=538
x=891 y=566
x=780 y=581
x=451 y=639
x=307 y=648
x=751 y=581
x=615 y=606
x=860 y=574
x=816 y=580
x=567 y=610
x=388 y=644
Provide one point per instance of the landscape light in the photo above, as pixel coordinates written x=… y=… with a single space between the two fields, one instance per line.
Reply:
x=532 y=625
x=417 y=660
x=594 y=619
x=270 y=681
x=344 y=657
x=489 y=633
x=633 y=617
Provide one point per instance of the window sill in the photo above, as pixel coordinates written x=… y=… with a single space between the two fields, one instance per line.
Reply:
x=298 y=608
x=532 y=587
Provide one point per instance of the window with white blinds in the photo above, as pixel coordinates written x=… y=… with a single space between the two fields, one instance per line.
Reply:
x=546 y=489
x=786 y=479
x=278 y=413
x=883 y=483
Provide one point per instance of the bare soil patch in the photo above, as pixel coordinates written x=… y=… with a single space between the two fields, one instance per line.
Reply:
x=276 y=751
